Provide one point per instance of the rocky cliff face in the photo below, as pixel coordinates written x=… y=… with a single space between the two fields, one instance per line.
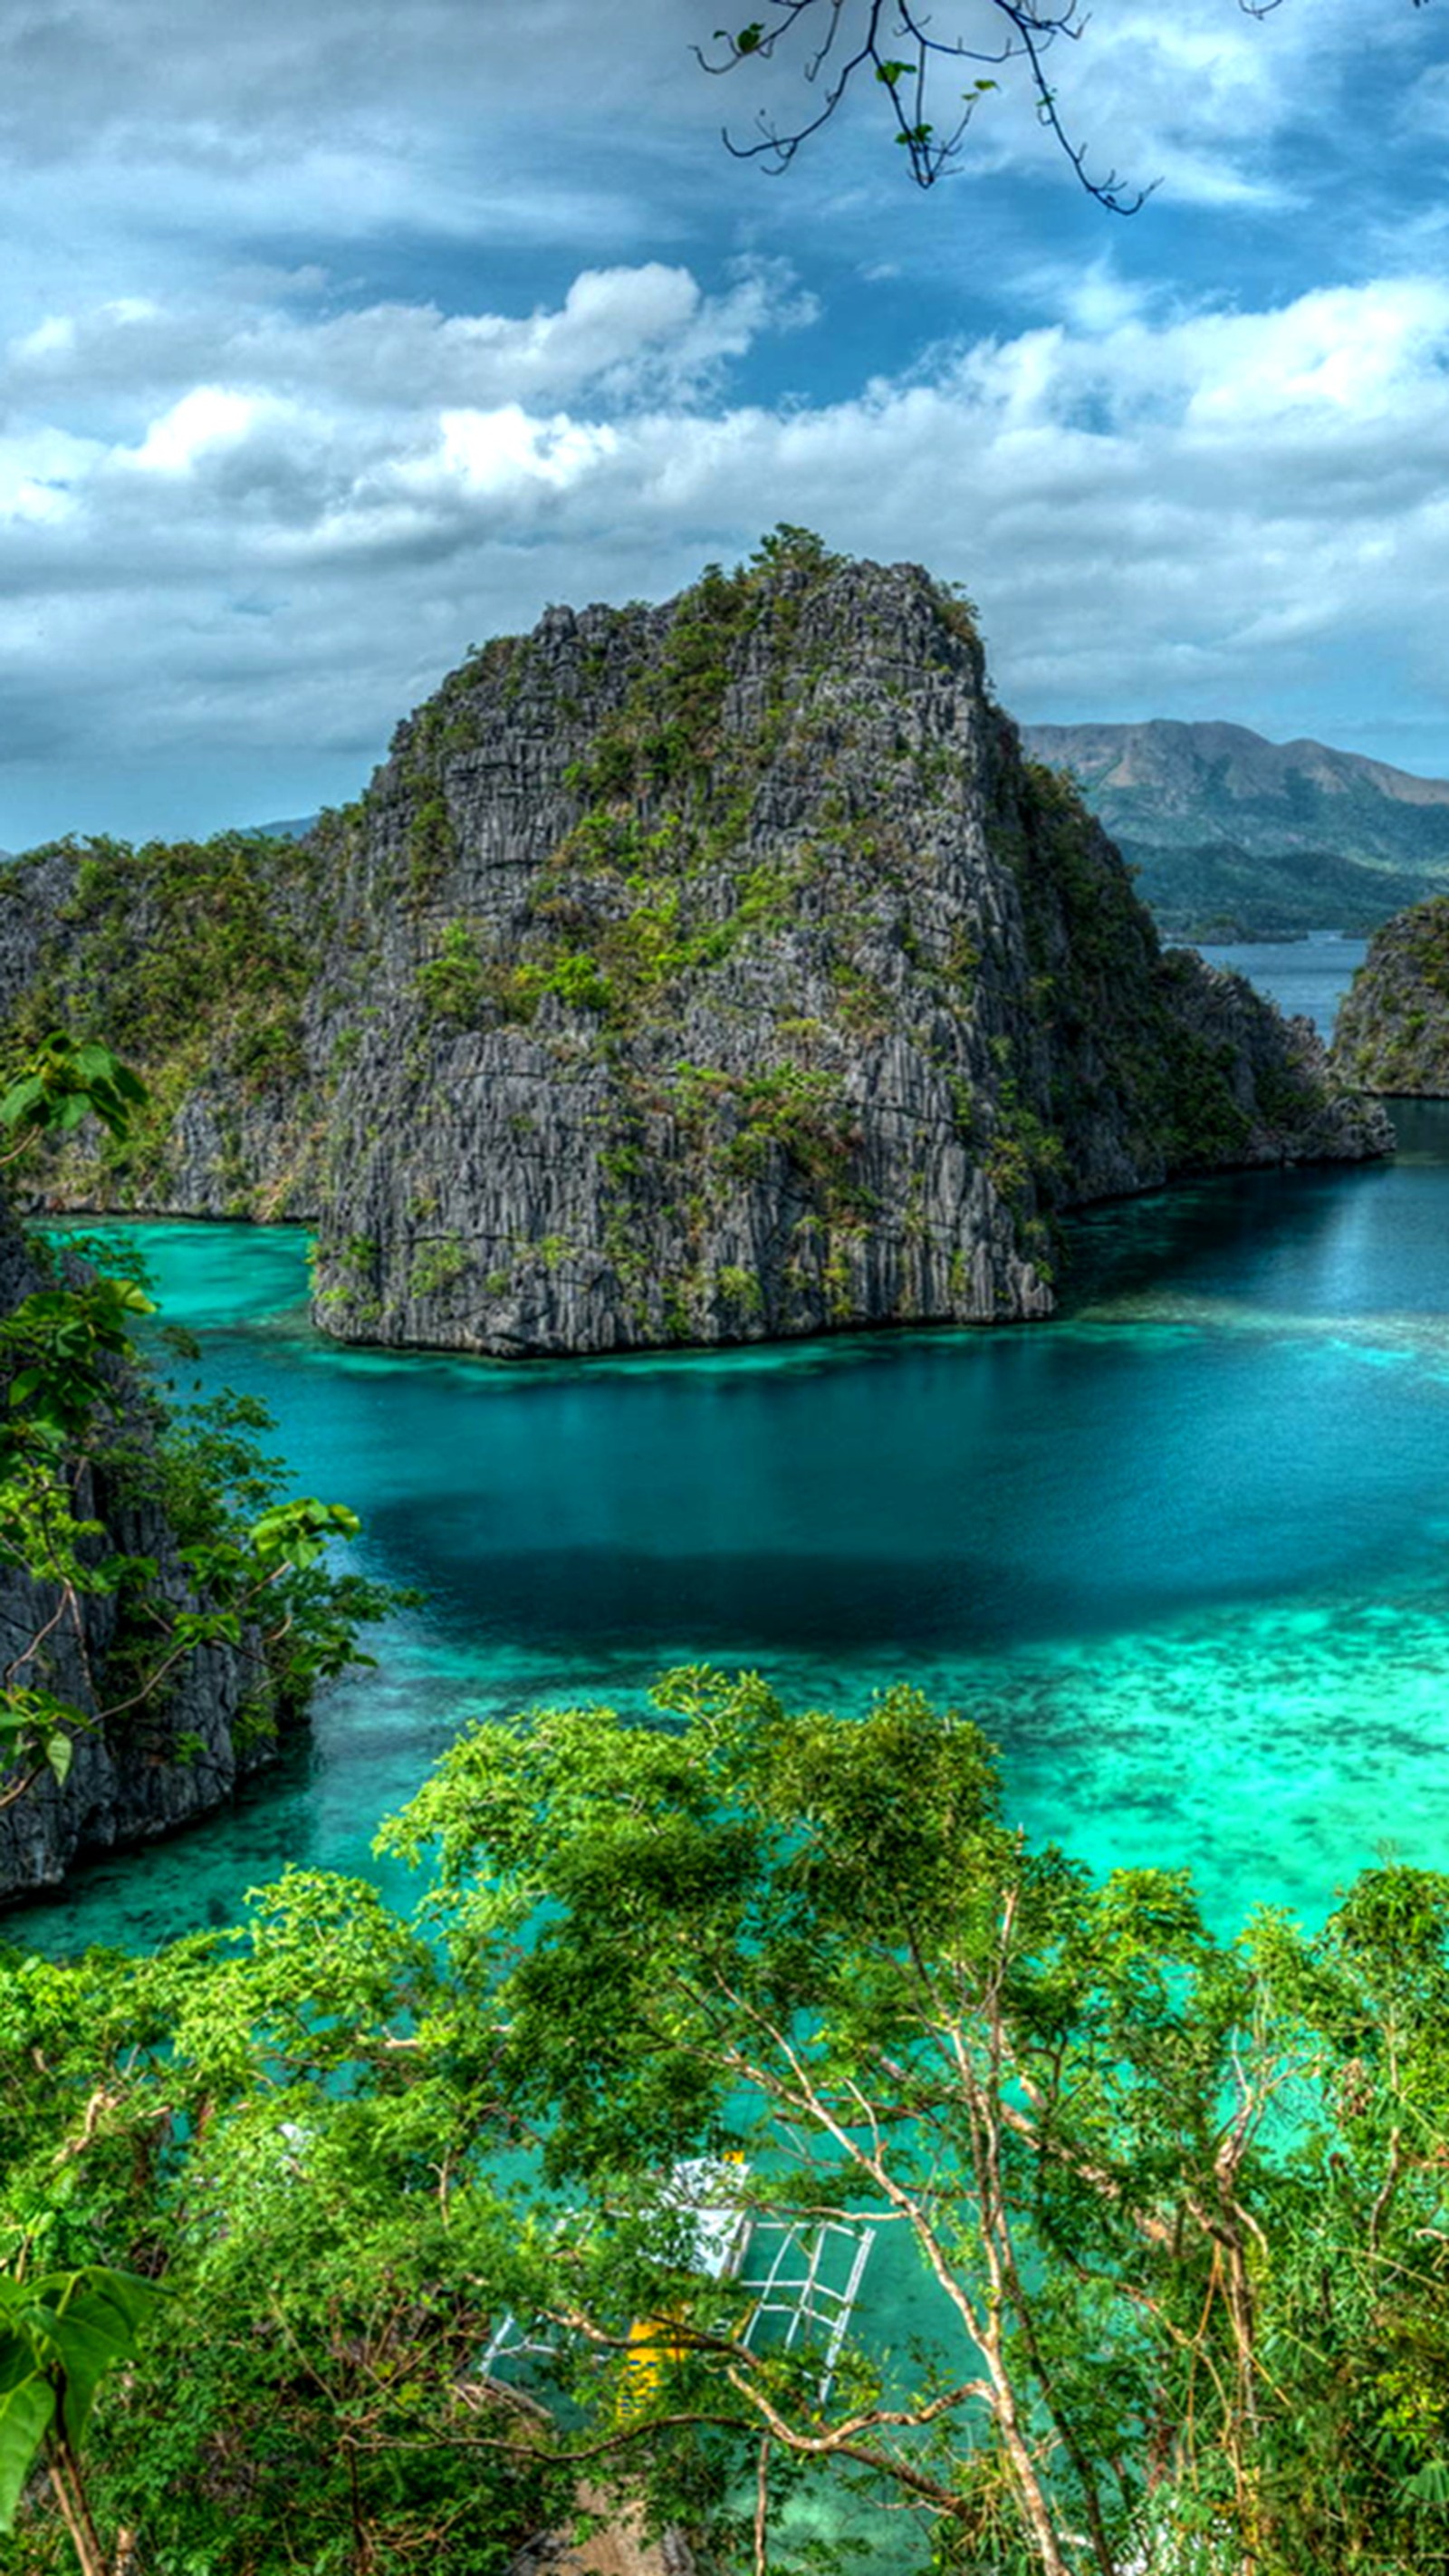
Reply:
x=135 y=1776
x=697 y=973
x=1393 y=1023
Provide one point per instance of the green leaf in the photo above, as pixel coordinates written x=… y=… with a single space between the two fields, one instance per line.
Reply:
x=25 y=2416
x=1429 y=2485
x=20 y=1099
x=296 y=1533
x=95 y=2328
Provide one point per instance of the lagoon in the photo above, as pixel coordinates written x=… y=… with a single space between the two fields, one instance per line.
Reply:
x=1184 y=1551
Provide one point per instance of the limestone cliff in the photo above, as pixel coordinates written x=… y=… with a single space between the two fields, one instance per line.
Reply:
x=703 y=973
x=159 y=1765
x=1393 y=1023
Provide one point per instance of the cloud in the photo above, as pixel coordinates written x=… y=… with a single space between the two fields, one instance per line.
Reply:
x=1180 y=513
x=620 y=329
x=333 y=339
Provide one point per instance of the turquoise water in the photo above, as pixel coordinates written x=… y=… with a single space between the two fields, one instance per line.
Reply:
x=1185 y=1550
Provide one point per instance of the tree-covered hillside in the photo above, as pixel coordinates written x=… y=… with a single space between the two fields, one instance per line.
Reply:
x=1234 y=836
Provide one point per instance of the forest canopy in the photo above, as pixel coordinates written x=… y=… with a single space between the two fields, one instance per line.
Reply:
x=460 y=2216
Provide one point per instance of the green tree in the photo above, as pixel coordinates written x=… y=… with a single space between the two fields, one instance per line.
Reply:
x=815 y=1946
x=78 y=1416
x=1170 y=2212
x=291 y=2130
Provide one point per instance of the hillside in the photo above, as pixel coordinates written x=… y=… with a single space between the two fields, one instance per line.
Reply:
x=1393 y=1027
x=701 y=973
x=1231 y=834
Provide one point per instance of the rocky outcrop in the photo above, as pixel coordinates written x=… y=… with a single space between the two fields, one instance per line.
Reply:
x=709 y=972
x=1393 y=1023
x=141 y=1774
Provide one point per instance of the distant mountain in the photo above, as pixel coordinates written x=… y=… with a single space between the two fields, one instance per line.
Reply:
x=295 y=830
x=1231 y=833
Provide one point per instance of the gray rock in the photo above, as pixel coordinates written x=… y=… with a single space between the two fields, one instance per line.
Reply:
x=719 y=972
x=1392 y=1033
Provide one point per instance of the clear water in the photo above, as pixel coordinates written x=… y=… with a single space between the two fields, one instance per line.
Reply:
x=1305 y=977
x=1185 y=1550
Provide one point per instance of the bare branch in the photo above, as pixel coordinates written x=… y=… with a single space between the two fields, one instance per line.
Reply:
x=897 y=52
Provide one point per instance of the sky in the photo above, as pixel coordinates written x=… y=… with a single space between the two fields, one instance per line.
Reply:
x=339 y=335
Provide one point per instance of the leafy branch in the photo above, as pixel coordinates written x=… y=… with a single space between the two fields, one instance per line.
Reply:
x=70 y=1373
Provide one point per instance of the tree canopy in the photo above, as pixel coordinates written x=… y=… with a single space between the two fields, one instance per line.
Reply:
x=464 y=2219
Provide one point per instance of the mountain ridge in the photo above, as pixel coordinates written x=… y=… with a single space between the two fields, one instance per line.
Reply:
x=1230 y=832
x=1122 y=757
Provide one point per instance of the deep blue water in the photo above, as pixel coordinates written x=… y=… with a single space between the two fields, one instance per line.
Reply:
x=1185 y=1550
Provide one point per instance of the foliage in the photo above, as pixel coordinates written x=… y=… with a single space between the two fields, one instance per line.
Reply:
x=1391 y=1032
x=253 y=2124
x=84 y=1436
x=1183 y=2203
x=64 y=1083
x=438 y=1262
x=1189 y=1095
x=453 y=985
x=190 y=957
x=59 y=2335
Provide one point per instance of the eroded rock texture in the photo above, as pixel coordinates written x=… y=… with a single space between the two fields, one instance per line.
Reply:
x=1393 y=1023
x=708 y=972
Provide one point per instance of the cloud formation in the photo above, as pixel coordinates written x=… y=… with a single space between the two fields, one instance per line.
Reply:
x=335 y=341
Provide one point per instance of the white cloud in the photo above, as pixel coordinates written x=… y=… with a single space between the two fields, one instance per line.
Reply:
x=498 y=451
x=1183 y=515
x=622 y=328
x=336 y=338
x=207 y=418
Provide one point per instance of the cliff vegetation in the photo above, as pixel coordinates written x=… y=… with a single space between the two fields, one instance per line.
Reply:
x=163 y=1615
x=709 y=972
x=1393 y=1024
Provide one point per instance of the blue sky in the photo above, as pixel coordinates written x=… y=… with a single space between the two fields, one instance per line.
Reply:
x=336 y=336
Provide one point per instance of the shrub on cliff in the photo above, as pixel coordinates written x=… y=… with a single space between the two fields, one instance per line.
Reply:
x=101 y=1632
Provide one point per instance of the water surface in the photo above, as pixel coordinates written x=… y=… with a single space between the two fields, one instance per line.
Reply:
x=1184 y=1550
x=1307 y=978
